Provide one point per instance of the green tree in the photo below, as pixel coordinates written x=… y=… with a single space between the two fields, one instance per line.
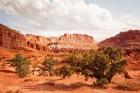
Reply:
x=48 y=67
x=102 y=64
x=108 y=63
x=66 y=71
x=21 y=65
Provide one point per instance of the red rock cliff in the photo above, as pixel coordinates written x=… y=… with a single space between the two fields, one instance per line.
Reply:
x=74 y=41
x=10 y=38
x=77 y=38
x=128 y=40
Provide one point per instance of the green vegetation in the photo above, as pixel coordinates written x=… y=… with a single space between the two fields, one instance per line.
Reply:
x=66 y=71
x=48 y=67
x=102 y=64
x=21 y=65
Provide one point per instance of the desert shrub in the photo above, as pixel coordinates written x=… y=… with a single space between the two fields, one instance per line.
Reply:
x=102 y=64
x=80 y=62
x=74 y=59
x=66 y=71
x=48 y=67
x=102 y=81
x=108 y=63
x=21 y=65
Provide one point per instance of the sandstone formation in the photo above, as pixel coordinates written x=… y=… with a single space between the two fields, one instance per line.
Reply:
x=127 y=40
x=74 y=41
x=67 y=41
x=10 y=38
x=77 y=38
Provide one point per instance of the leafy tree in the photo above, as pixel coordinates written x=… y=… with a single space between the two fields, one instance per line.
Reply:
x=35 y=65
x=48 y=67
x=21 y=65
x=102 y=64
x=74 y=59
x=66 y=71
x=108 y=63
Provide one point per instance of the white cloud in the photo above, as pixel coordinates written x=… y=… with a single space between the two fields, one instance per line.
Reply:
x=129 y=22
x=64 y=16
x=60 y=14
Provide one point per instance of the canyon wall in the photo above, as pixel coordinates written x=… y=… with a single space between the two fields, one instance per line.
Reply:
x=10 y=38
x=127 y=40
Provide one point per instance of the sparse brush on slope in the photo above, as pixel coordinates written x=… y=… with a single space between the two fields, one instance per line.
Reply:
x=102 y=64
x=21 y=65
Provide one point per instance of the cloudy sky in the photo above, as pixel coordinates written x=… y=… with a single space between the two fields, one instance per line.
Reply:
x=98 y=18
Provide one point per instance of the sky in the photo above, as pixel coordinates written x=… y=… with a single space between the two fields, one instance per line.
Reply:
x=98 y=18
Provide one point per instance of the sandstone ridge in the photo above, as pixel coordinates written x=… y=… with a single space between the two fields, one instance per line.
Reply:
x=10 y=38
x=127 y=40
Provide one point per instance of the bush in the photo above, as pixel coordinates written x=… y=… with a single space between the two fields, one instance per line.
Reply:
x=102 y=64
x=81 y=63
x=21 y=65
x=48 y=67
x=108 y=63
x=102 y=81
x=66 y=71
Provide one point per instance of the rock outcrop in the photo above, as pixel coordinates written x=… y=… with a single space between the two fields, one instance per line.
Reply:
x=40 y=40
x=67 y=41
x=10 y=38
x=77 y=38
x=127 y=40
x=74 y=41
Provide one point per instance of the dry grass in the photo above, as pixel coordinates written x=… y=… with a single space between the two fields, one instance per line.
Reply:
x=28 y=79
x=129 y=85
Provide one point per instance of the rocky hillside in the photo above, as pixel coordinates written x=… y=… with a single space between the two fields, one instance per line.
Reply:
x=127 y=40
x=73 y=41
x=10 y=38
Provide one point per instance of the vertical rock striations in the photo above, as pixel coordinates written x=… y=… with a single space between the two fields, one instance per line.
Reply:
x=10 y=38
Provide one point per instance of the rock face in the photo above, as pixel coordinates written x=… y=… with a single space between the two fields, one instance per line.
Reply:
x=10 y=38
x=72 y=41
x=40 y=40
x=77 y=38
x=127 y=40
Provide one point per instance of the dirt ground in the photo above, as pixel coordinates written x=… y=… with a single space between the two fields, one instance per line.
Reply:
x=43 y=84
